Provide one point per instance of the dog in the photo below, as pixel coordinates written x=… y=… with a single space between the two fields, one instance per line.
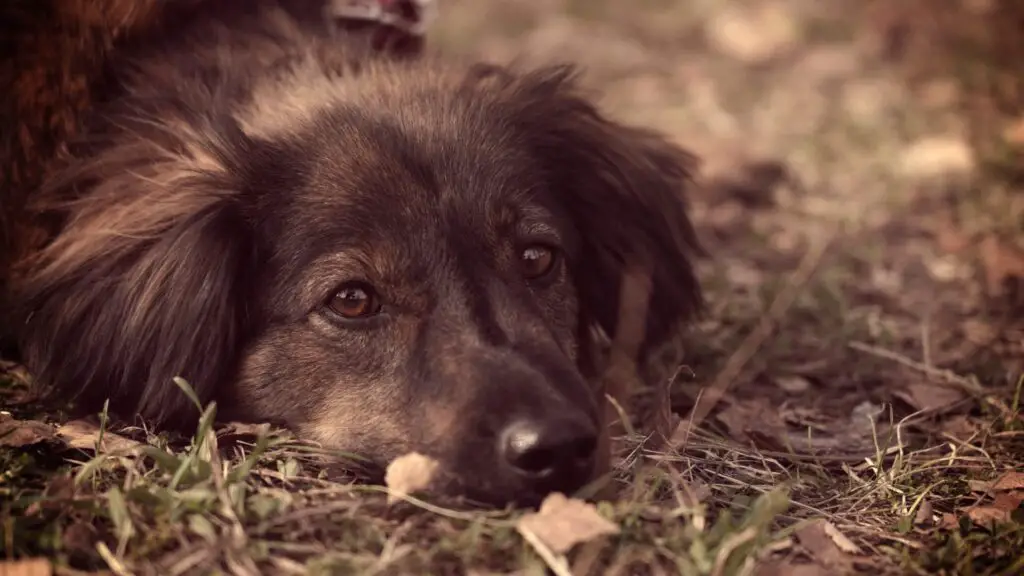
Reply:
x=384 y=255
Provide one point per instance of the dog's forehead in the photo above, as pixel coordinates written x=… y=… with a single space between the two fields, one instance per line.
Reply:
x=400 y=195
x=368 y=164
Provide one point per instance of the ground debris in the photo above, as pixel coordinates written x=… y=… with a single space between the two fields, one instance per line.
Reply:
x=1003 y=497
x=826 y=544
x=85 y=435
x=20 y=433
x=562 y=522
x=408 y=474
x=930 y=396
x=34 y=567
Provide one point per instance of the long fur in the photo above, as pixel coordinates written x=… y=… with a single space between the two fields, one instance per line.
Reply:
x=169 y=206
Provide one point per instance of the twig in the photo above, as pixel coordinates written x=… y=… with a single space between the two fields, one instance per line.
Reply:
x=620 y=374
x=739 y=359
x=947 y=375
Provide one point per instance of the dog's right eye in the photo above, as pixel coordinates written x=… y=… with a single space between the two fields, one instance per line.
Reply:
x=354 y=301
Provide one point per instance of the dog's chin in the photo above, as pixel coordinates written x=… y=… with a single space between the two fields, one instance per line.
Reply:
x=475 y=493
x=450 y=486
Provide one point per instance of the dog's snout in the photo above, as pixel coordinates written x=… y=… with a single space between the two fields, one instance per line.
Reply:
x=550 y=454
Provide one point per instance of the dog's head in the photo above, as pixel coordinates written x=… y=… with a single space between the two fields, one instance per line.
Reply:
x=409 y=260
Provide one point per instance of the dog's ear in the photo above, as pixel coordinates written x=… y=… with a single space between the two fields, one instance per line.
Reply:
x=145 y=281
x=623 y=187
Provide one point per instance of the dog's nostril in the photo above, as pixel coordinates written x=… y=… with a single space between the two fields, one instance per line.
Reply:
x=542 y=449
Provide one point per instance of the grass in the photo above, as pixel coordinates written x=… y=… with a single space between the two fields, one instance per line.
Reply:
x=249 y=505
x=868 y=391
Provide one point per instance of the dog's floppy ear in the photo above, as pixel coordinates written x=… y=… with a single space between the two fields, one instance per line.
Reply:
x=145 y=281
x=623 y=187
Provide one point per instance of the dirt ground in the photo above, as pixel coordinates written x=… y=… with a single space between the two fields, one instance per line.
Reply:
x=851 y=401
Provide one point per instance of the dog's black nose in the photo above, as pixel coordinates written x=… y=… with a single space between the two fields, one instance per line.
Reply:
x=555 y=454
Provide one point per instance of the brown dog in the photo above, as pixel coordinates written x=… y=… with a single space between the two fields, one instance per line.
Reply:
x=385 y=256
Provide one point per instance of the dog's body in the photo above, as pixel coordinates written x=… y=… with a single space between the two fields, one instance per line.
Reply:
x=385 y=256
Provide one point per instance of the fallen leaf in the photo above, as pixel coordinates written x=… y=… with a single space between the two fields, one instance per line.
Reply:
x=924 y=514
x=979 y=332
x=1008 y=501
x=844 y=543
x=929 y=396
x=408 y=474
x=754 y=35
x=793 y=384
x=979 y=485
x=788 y=568
x=950 y=238
x=18 y=433
x=959 y=427
x=817 y=538
x=33 y=567
x=754 y=414
x=79 y=537
x=59 y=490
x=1001 y=263
x=938 y=156
x=562 y=522
x=1010 y=481
x=949 y=521
x=83 y=435
x=985 y=515
x=1014 y=133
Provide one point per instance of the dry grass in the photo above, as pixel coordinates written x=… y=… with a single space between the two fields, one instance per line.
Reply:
x=861 y=363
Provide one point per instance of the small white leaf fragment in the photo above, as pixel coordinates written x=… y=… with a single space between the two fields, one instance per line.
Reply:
x=407 y=474
x=562 y=522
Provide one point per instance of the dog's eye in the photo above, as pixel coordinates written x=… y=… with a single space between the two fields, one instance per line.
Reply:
x=537 y=261
x=355 y=300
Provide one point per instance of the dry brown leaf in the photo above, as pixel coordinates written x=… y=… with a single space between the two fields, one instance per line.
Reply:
x=1003 y=504
x=751 y=414
x=979 y=485
x=1000 y=263
x=949 y=521
x=985 y=515
x=33 y=567
x=408 y=474
x=979 y=332
x=58 y=491
x=18 y=433
x=1014 y=133
x=788 y=568
x=959 y=427
x=1008 y=501
x=79 y=537
x=821 y=539
x=562 y=522
x=924 y=514
x=844 y=543
x=949 y=237
x=930 y=396
x=83 y=435
x=793 y=384
x=1010 y=481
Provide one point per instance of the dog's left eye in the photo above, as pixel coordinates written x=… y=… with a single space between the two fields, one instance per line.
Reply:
x=354 y=301
x=537 y=261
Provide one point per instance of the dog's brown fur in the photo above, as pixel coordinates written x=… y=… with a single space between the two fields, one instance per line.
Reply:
x=214 y=202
